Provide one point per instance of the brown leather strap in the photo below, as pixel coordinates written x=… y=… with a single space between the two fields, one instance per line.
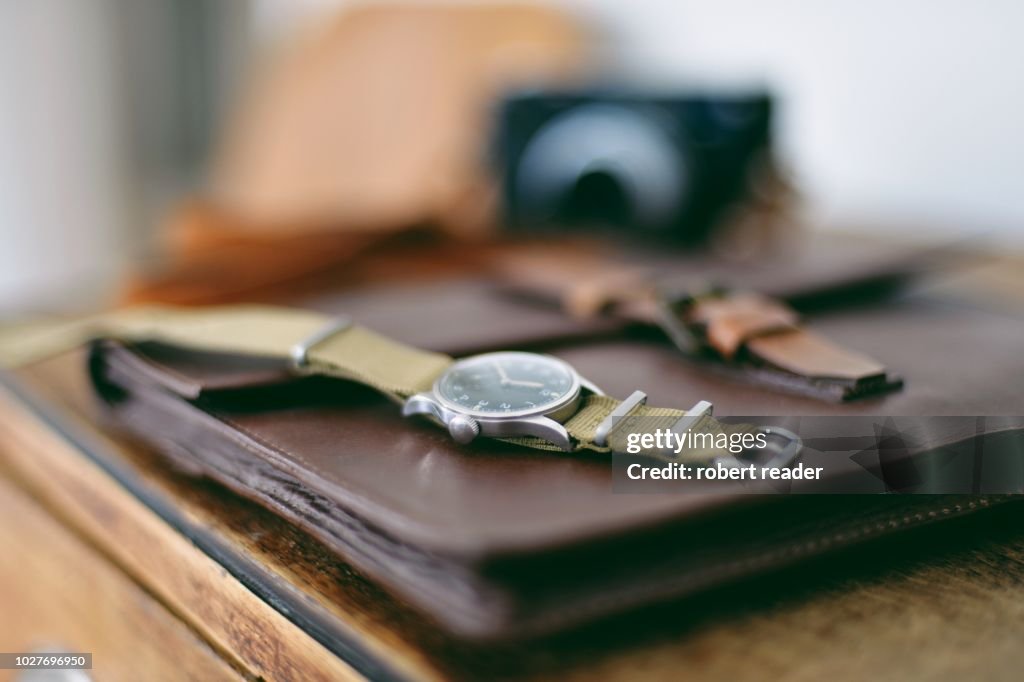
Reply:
x=768 y=330
x=729 y=322
x=746 y=333
x=808 y=354
x=762 y=338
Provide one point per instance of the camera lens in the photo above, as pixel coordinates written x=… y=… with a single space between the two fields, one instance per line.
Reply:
x=598 y=197
x=602 y=164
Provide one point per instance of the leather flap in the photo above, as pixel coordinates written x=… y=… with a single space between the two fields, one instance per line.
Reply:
x=191 y=374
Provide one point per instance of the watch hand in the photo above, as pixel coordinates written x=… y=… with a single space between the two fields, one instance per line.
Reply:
x=501 y=373
x=527 y=384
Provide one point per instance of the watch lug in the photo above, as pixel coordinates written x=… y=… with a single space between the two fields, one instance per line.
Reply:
x=424 y=403
x=549 y=430
x=464 y=429
x=590 y=386
x=541 y=427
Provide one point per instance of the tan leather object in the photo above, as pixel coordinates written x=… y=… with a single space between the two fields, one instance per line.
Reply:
x=377 y=119
x=769 y=331
x=367 y=125
x=807 y=354
x=220 y=261
x=742 y=332
x=214 y=258
x=732 y=322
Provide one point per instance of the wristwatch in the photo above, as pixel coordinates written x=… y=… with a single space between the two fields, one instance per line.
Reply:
x=528 y=398
x=505 y=394
x=531 y=399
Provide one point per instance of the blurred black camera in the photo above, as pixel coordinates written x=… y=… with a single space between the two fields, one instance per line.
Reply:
x=664 y=166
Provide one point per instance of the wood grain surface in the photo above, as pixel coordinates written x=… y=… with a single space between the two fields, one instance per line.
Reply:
x=237 y=624
x=58 y=594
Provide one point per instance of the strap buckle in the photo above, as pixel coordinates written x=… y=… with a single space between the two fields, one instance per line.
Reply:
x=782 y=445
x=672 y=307
x=637 y=399
x=298 y=355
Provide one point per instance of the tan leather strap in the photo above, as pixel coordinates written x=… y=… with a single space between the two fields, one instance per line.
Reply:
x=732 y=324
x=768 y=331
x=752 y=335
x=729 y=322
x=807 y=354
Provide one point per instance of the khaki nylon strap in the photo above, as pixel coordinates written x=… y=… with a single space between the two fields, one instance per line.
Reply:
x=582 y=426
x=353 y=353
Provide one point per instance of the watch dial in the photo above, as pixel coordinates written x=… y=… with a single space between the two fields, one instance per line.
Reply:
x=502 y=383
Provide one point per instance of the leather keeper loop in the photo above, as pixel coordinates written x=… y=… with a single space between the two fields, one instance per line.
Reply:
x=731 y=321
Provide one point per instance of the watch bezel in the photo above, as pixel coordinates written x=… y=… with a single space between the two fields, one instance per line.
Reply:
x=570 y=398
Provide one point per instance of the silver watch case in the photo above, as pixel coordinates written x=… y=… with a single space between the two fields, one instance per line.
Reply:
x=464 y=424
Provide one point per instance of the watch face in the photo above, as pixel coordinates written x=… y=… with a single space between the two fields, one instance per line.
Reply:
x=507 y=384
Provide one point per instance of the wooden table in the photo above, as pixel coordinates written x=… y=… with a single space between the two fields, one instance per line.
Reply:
x=161 y=576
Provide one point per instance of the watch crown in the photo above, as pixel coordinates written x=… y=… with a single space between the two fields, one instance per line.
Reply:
x=463 y=429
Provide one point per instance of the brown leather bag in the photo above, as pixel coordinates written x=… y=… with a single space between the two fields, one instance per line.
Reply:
x=494 y=540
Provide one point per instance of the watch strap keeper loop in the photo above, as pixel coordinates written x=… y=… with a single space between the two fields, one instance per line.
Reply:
x=298 y=355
